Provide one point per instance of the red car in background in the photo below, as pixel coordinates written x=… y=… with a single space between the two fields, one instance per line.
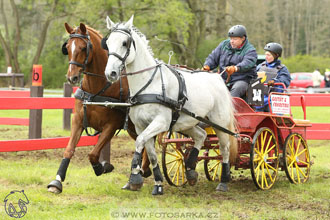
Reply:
x=303 y=80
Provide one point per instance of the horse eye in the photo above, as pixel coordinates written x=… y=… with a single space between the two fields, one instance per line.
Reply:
x=83 y=49
x=124 y=44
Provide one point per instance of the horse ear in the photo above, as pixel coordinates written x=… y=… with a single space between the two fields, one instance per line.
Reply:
x=83 y=28
x=129 y=23
x=68 y=28
x=110 y=24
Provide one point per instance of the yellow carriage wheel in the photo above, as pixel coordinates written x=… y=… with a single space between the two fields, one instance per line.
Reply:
x=296 y=159
x=212 y=167
x=264 y=158
x=173 y=158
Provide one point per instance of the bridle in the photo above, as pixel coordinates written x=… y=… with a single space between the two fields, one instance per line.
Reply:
x=129 y=42
x=89 y=47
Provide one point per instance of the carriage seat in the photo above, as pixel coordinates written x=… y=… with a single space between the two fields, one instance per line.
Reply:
x=241 y=106
x=302 y=123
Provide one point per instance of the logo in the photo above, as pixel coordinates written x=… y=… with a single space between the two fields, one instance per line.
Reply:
x=15 y=204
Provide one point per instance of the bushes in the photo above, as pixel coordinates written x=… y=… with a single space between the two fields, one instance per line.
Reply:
x=307 y=63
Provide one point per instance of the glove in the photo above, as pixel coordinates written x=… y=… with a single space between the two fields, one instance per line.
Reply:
x=271 y=83
x=230 y=70
x=206 y=68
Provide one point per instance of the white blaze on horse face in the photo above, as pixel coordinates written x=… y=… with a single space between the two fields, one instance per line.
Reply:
x=73 y=47
x=114 y=65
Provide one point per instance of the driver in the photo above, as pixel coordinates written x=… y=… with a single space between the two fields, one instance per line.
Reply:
x=238 y=57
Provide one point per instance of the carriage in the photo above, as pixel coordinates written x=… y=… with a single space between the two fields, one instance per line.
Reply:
x=268 y=142
x=159 y=93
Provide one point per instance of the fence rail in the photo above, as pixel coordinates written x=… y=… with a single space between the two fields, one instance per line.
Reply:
x=318 y=131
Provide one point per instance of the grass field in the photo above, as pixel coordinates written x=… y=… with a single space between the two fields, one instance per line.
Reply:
x=86 y=196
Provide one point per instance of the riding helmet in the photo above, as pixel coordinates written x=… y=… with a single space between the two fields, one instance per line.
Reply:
x=237 y=31
x=275 y=48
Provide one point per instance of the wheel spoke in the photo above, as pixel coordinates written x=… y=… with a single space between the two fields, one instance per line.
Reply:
x=258 y=166
x=262 y=175
x=303 y=162
x=178 y=175
x=262 y=143
x=301 y=152
x=272 y=158
x=170 y=170
x=215 y=173
x=269 y=140
x=212 y=168
x=292 y=145
x=173 y=155
x=297 y=172
x=298 y=146
x=270 y=167
x=257 y=172
x=272 y=147
x=173 y=178
x=183 y=174
x=270 y=176
x=258 y=152
x=174 y=160
x=301 y=172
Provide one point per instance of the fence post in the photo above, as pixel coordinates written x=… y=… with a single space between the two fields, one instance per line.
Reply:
x=67 y=91
x=35 y=122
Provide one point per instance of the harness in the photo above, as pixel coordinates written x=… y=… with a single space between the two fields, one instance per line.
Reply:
x=175 y=105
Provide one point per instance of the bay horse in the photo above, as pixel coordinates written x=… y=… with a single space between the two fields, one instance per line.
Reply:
x=161 y=93
x=87 y=57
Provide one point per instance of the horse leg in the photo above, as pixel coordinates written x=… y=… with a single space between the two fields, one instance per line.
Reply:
x=198 y=134
x=155 y=127
x=105 y=158
x=224 y=149
x=55 y=186
x=146 y=171
x=150 y=149
x=94 y=155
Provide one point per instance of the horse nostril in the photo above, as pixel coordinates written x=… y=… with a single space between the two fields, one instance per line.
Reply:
x=113 y=74
x=74 y=79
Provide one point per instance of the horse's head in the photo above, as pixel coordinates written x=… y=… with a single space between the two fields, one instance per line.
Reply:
x=119 y=45
x=79 y=50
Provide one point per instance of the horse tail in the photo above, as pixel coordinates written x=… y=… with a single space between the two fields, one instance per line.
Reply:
x=233 y=140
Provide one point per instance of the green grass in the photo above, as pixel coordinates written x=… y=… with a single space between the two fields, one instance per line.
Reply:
x=86 y=196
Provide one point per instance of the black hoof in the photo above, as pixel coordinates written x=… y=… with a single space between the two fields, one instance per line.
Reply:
x=158 y=190
x=135 y=182
x=192 y=177
x=147 y=173
x=108 y=168
x=98 y=169
x=57 y=184
x=223 y=187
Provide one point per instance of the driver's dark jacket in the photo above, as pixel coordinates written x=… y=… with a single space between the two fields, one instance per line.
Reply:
x=244 y=58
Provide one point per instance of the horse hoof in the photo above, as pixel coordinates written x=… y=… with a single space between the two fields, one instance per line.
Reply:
x=55 y=186
x=126 y=186
x=147 y=173
x=192 y=177
x=135 y=182
x=108 y=168
x=135 y=187
x=98 y=169
x=158 y=190
x=223 y=187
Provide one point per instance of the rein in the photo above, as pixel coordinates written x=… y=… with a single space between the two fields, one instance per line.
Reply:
x=140 y=71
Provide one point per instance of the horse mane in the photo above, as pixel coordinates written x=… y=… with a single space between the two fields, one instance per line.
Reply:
x=97 y=33
x=144 y=39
